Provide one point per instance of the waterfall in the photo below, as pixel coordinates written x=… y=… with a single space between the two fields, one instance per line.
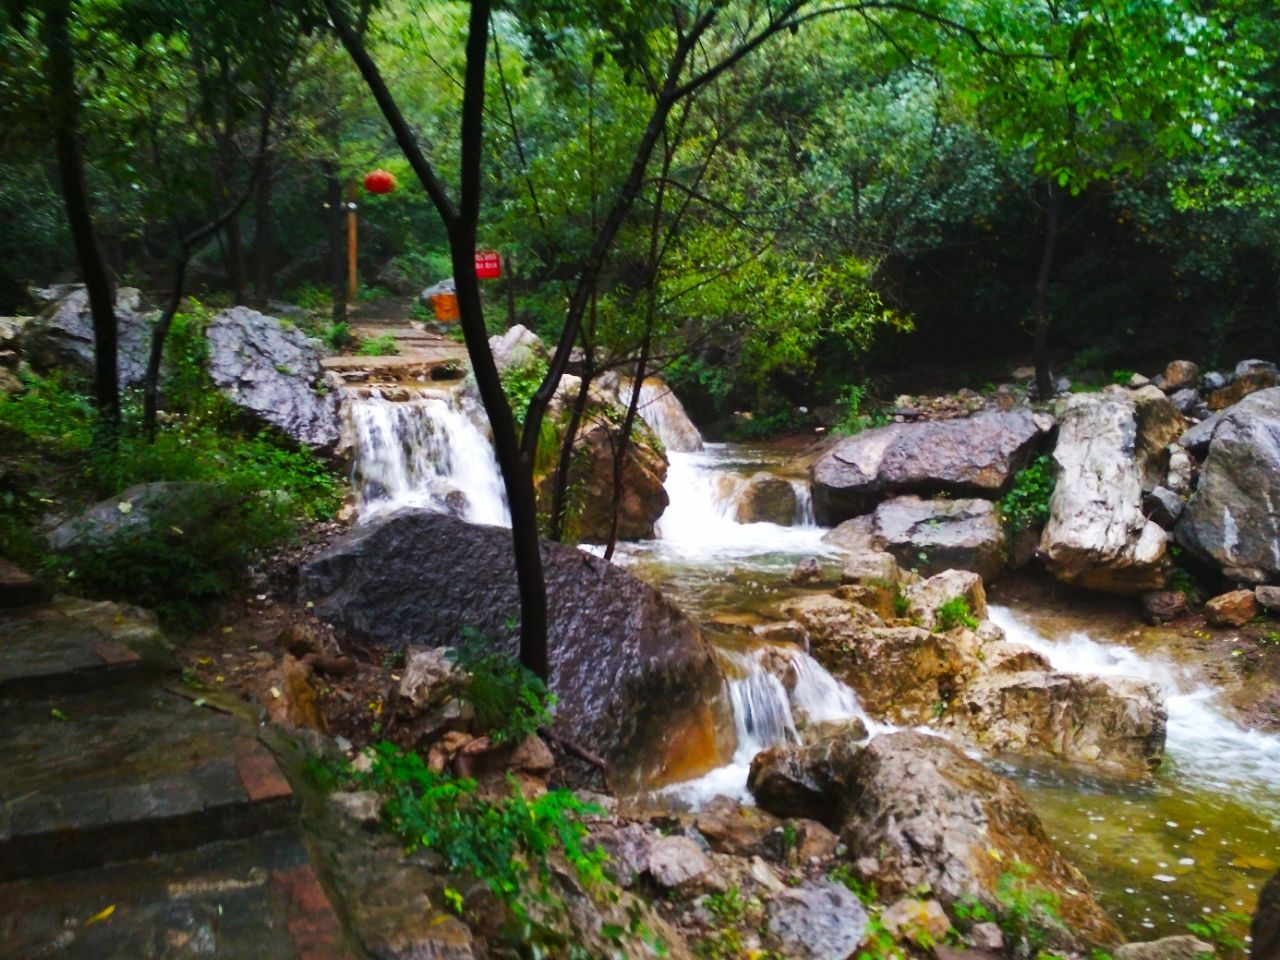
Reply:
x=431 y=451
x=660 y=409
x=804 y=504
x=1201 y=739
x=767 y=714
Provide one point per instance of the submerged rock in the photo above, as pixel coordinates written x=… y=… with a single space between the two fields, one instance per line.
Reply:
x=62 y=338
x=925 y=814
x=974 y=455
x=1233 y=518
x=273 y=373
x=617 y=646
x=1111 y=446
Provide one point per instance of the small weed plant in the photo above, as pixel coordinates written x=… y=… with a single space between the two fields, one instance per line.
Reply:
x=509 y=701
x=856 y=415
x=520 y=382
x=954 y=613
x=1225 y=931
x=383 y=345
x=1027 y=502
x=1027 y=915
x=509 y=844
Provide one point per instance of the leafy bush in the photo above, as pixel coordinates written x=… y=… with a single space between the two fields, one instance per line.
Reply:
x=508 y=844
x=1122 y=377
x=383 y=345
x=954 y=613
x=509 y=701
x=1027 y=502
x=519 y=383
x=337 y=335
x=259 y=485
x=855 y=417
x=769 y=423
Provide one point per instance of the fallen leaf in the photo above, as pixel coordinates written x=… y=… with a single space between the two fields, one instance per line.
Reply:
x=198 y=702
x=101 y=914
x=275 y=692
x=125 y=506
x=57 y=714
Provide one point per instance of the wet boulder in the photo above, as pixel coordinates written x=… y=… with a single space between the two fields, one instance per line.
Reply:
x=1233 y=609
x=935 y=535
x=1111 y=446
x=1179 y=375
x=976 y=455
x=1113 y=724
x=61 y=338
x=904 y=675
x=1232 y=519
x=272 y=372
x=765 y=498
x=831 y=626
x=591 y=477
x=805 y=780
x=924 y=814
x=617 y=646
x=1163 y=606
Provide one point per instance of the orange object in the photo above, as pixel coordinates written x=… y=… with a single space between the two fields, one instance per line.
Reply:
x=445 y=306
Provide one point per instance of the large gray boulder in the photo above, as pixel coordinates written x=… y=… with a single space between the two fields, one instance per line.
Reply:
x=137 y=512
x=618 y=648
x=1233 y=518
x=930 y=536
x=976 y=455
x=925 y=814
x=517 y=347
x=1111 y=447
x=61 y=338
x=273 y=373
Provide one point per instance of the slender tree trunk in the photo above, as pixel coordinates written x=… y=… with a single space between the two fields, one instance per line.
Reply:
x=264 y=253
x=1040 y=350
x=337 y=242
x=159 y=333
x=560 y=487
x=64 y=110
x=462 y=224
x=624 y=441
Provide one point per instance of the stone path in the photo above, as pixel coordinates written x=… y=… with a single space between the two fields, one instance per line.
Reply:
x=422 y=355
x=136 y=821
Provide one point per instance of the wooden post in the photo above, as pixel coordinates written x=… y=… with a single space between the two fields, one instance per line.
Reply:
x=352 y=280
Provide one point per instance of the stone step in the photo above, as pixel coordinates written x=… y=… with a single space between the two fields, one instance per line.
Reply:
x=127 y=773
x=257 y=898
x=18 y=588
x=73 y=646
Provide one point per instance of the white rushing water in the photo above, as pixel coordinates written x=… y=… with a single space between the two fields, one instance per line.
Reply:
x=700 y=522
x=1207 y=746
x=432 y=451
x=766 y=713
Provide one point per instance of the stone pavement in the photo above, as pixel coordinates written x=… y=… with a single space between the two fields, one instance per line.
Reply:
x=137 y=820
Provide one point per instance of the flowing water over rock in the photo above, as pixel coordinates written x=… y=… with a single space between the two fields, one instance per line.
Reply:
x=1200 y=837
x=432 y=451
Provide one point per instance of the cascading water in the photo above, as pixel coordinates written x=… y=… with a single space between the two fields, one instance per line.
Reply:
x=765 y=712
x=663 y=412
x=429 y=452
x=1207 y=746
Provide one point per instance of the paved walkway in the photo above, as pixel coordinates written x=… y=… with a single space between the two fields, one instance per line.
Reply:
x=135 y=820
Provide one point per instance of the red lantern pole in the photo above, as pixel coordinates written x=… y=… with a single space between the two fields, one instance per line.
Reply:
x=352 y=281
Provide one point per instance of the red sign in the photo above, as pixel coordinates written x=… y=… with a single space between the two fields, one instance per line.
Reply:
x=488 y=264
x=379 y=181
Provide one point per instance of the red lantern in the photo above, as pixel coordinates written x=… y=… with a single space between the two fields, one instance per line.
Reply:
x=488 y=265
x=379 y=181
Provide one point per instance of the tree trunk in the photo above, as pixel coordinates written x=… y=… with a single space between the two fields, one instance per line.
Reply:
x=159 y=333
x=235 y=262
x=560 y=488
x=337 y=242
x=64 y=110
x=1040 y=350
x=624 y=441
x=264 y=253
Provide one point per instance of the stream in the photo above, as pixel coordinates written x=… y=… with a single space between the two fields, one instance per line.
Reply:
x=1200 y=837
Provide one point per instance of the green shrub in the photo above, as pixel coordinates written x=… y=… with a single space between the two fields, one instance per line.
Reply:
x=855 y=417
x=337 y=336
x=1122 y=377
x=519 y=383
x=383 y=345
x=1027 y=915
x=311 y=296
x=769 y=423
x=509 y=701
x=1027 y=502
x=954 y=613
x=508 y=844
